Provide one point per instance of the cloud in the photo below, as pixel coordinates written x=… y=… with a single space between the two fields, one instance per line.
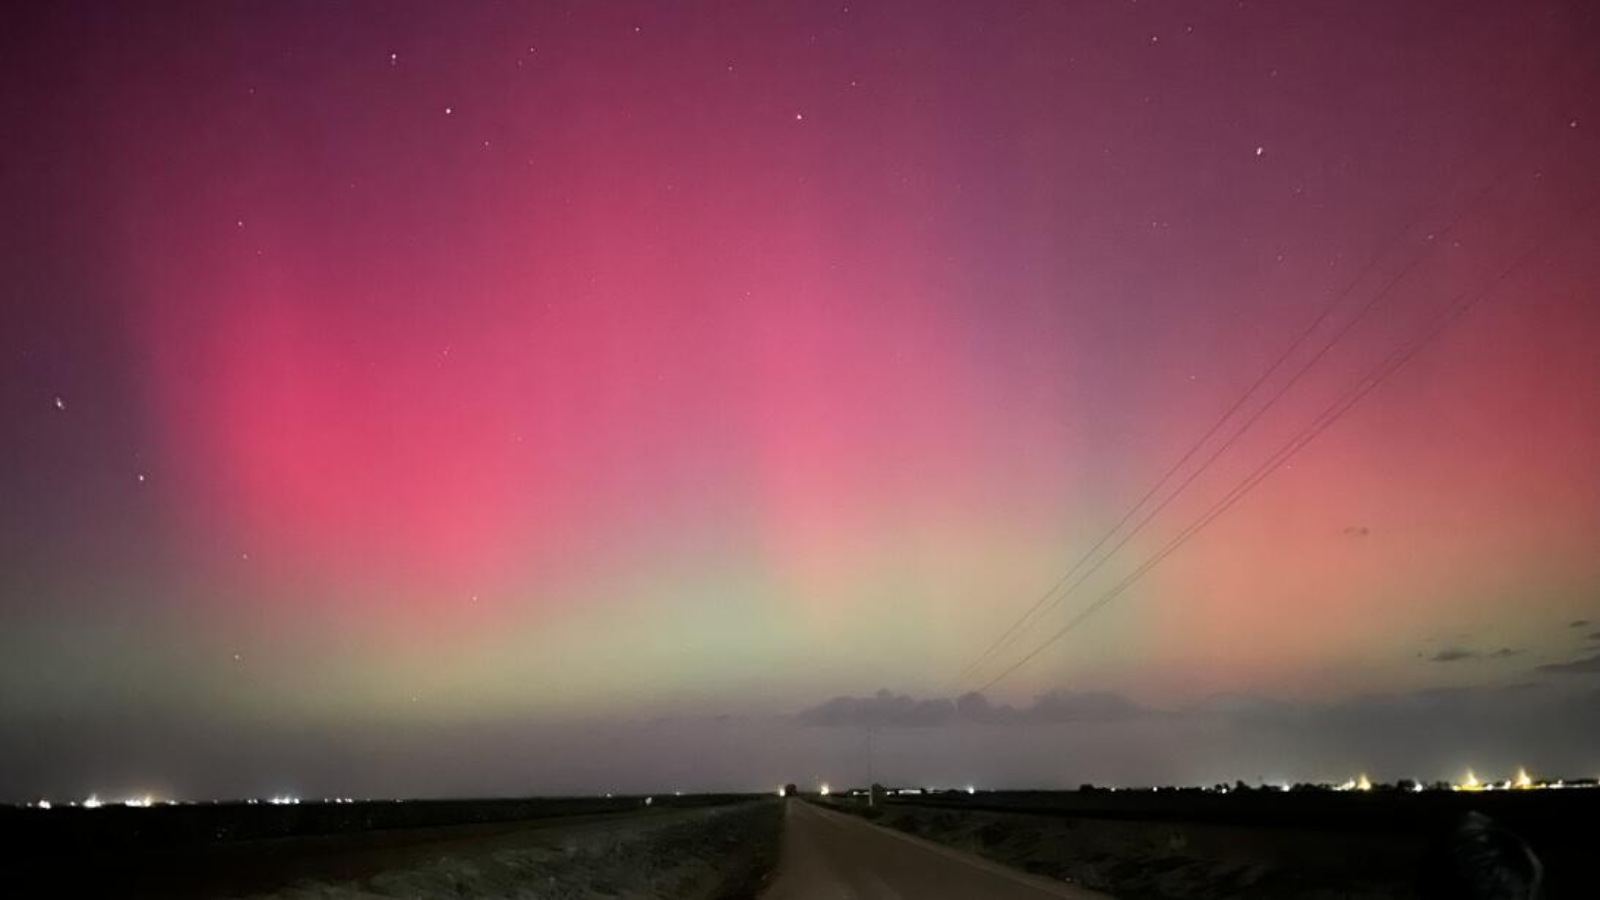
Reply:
x=1594 y=635
x=1054 y=708
x=1243 y=705
x=1578 y=623
x=1077 y=706
x=886 y=709
x=1430 y=733
x=1455 y=654
x=880 y=709
x=1589 y=666
x=1357 y=531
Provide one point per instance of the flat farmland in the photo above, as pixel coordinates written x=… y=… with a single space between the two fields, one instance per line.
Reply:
x=696 y=846
x=1167 y=844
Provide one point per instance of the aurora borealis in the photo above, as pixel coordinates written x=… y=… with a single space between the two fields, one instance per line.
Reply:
x=388 y=387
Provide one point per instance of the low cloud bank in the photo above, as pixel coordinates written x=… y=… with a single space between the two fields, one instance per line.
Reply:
x=1066 y=738
x=1587 y=666
x=1456 y=654
x=889 y=710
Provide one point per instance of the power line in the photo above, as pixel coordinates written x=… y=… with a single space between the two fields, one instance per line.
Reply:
x=1043 y=605
x=1029 y=618
x=1321 y=423
x=1003 y=641
x=1224 y=446
x=1040 y=606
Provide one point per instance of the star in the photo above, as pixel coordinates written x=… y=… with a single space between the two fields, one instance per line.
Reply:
x=449 y=110
x=1260 y=150
x=799 y=117
x=60 y=403
x=140 y=476
x=394 y=58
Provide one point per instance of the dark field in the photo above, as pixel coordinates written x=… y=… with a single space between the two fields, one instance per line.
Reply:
x=1136 y=845
x=234 y=849
x=1142 y=845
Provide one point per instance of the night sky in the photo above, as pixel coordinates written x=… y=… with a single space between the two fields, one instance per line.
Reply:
x=420 y=398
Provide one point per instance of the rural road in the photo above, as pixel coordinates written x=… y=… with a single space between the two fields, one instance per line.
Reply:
x=835 y=856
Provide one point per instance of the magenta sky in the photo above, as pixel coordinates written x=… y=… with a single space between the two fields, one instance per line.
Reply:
x=426 y=367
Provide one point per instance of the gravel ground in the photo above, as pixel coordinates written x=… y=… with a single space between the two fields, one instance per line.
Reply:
x=1136 y=860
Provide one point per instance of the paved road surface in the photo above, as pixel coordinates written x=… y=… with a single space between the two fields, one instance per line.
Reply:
x=828 y=855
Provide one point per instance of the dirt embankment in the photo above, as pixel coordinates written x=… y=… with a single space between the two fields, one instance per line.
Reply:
x=722 y=853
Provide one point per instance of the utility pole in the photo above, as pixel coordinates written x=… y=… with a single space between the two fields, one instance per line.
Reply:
x=872 y=791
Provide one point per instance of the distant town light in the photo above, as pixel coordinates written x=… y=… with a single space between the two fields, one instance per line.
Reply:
x=44 y=804
x=1359 y=783
x=824 y=790
x=92 y=803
